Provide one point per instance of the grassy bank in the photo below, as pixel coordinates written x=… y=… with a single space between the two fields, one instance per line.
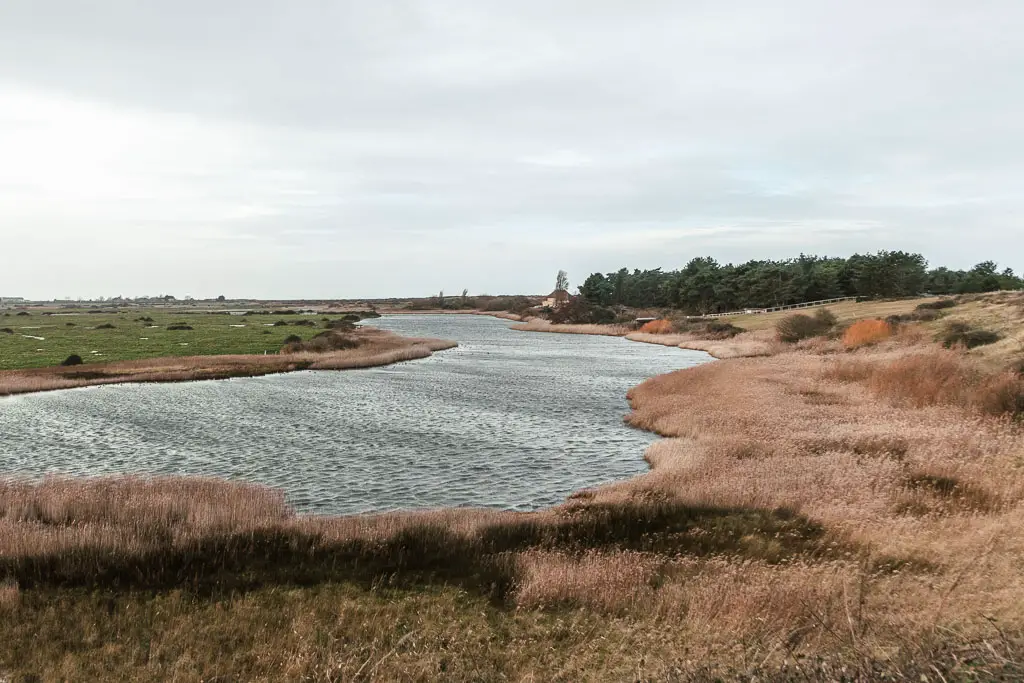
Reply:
x=813 y=514
x=38 y=340
x=369 y=347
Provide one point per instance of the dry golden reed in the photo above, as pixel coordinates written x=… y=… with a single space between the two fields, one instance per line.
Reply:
x=865 y=332
x=656 y=327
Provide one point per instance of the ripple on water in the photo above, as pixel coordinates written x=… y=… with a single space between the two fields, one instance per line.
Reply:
x=508 y=419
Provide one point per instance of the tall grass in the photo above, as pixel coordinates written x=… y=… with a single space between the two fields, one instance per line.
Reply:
x=656 y=327
x=865 y=332
x=922 y=378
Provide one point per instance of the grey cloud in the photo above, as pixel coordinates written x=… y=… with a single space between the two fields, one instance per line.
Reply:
x=486 y=144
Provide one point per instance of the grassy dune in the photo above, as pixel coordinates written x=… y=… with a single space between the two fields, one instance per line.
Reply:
x=846 y=311
x=811 y=514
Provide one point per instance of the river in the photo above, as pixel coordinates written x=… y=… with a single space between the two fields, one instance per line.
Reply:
x=513 y=420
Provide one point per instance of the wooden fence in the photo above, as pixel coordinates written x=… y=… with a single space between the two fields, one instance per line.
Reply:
x=757 y=311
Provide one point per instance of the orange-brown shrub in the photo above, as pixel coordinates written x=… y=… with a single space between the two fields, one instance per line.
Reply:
x=657 y=327
x=864 y=332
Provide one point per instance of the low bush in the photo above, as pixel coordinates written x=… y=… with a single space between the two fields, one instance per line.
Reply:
x=865 y=332
x=341 y=325
x=657 y=327
x=798 y=326
x=7 y=330
x=936 y=305
x=22 y=312
x=69 y=324
x=961 y=334
x=73 y=359
x=105 y=326
x=304 y=323
x=331 y=340
x=352 y=317
x=292 y=339
x=925 y=315
x=179 y=326
x=279 y=323
x=721 y=330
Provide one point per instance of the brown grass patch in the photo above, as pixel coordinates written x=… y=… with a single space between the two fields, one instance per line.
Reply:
x=865 y=332
x=656 y=327
x=930 y=376
x=10 y=595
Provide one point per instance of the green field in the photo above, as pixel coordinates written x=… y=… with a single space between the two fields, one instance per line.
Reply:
x=64 y=334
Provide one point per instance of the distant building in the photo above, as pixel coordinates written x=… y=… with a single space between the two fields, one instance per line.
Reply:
x=11 y=300
x=556 y=298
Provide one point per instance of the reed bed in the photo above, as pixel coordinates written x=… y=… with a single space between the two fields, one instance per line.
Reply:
x=541 y=325
x=375 y=348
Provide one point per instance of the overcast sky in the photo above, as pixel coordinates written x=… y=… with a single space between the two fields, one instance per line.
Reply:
x=354 y=149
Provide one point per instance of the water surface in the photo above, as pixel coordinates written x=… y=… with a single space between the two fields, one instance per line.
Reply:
x=509 y=419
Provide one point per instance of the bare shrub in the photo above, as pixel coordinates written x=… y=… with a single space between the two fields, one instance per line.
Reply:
x=798 y=326
x=73 y=359
x=936 y=305
x=962 y=334
x=717 y=330
x=331 y=340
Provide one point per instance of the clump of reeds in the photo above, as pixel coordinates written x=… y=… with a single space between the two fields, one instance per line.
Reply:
x=866 y=332
x=936 y=377
x=656 y=327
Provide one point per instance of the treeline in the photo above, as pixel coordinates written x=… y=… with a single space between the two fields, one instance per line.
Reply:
x=705 y=286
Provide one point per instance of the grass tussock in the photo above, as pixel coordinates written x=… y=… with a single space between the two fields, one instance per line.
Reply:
x=656 y=327
x=866 y=332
